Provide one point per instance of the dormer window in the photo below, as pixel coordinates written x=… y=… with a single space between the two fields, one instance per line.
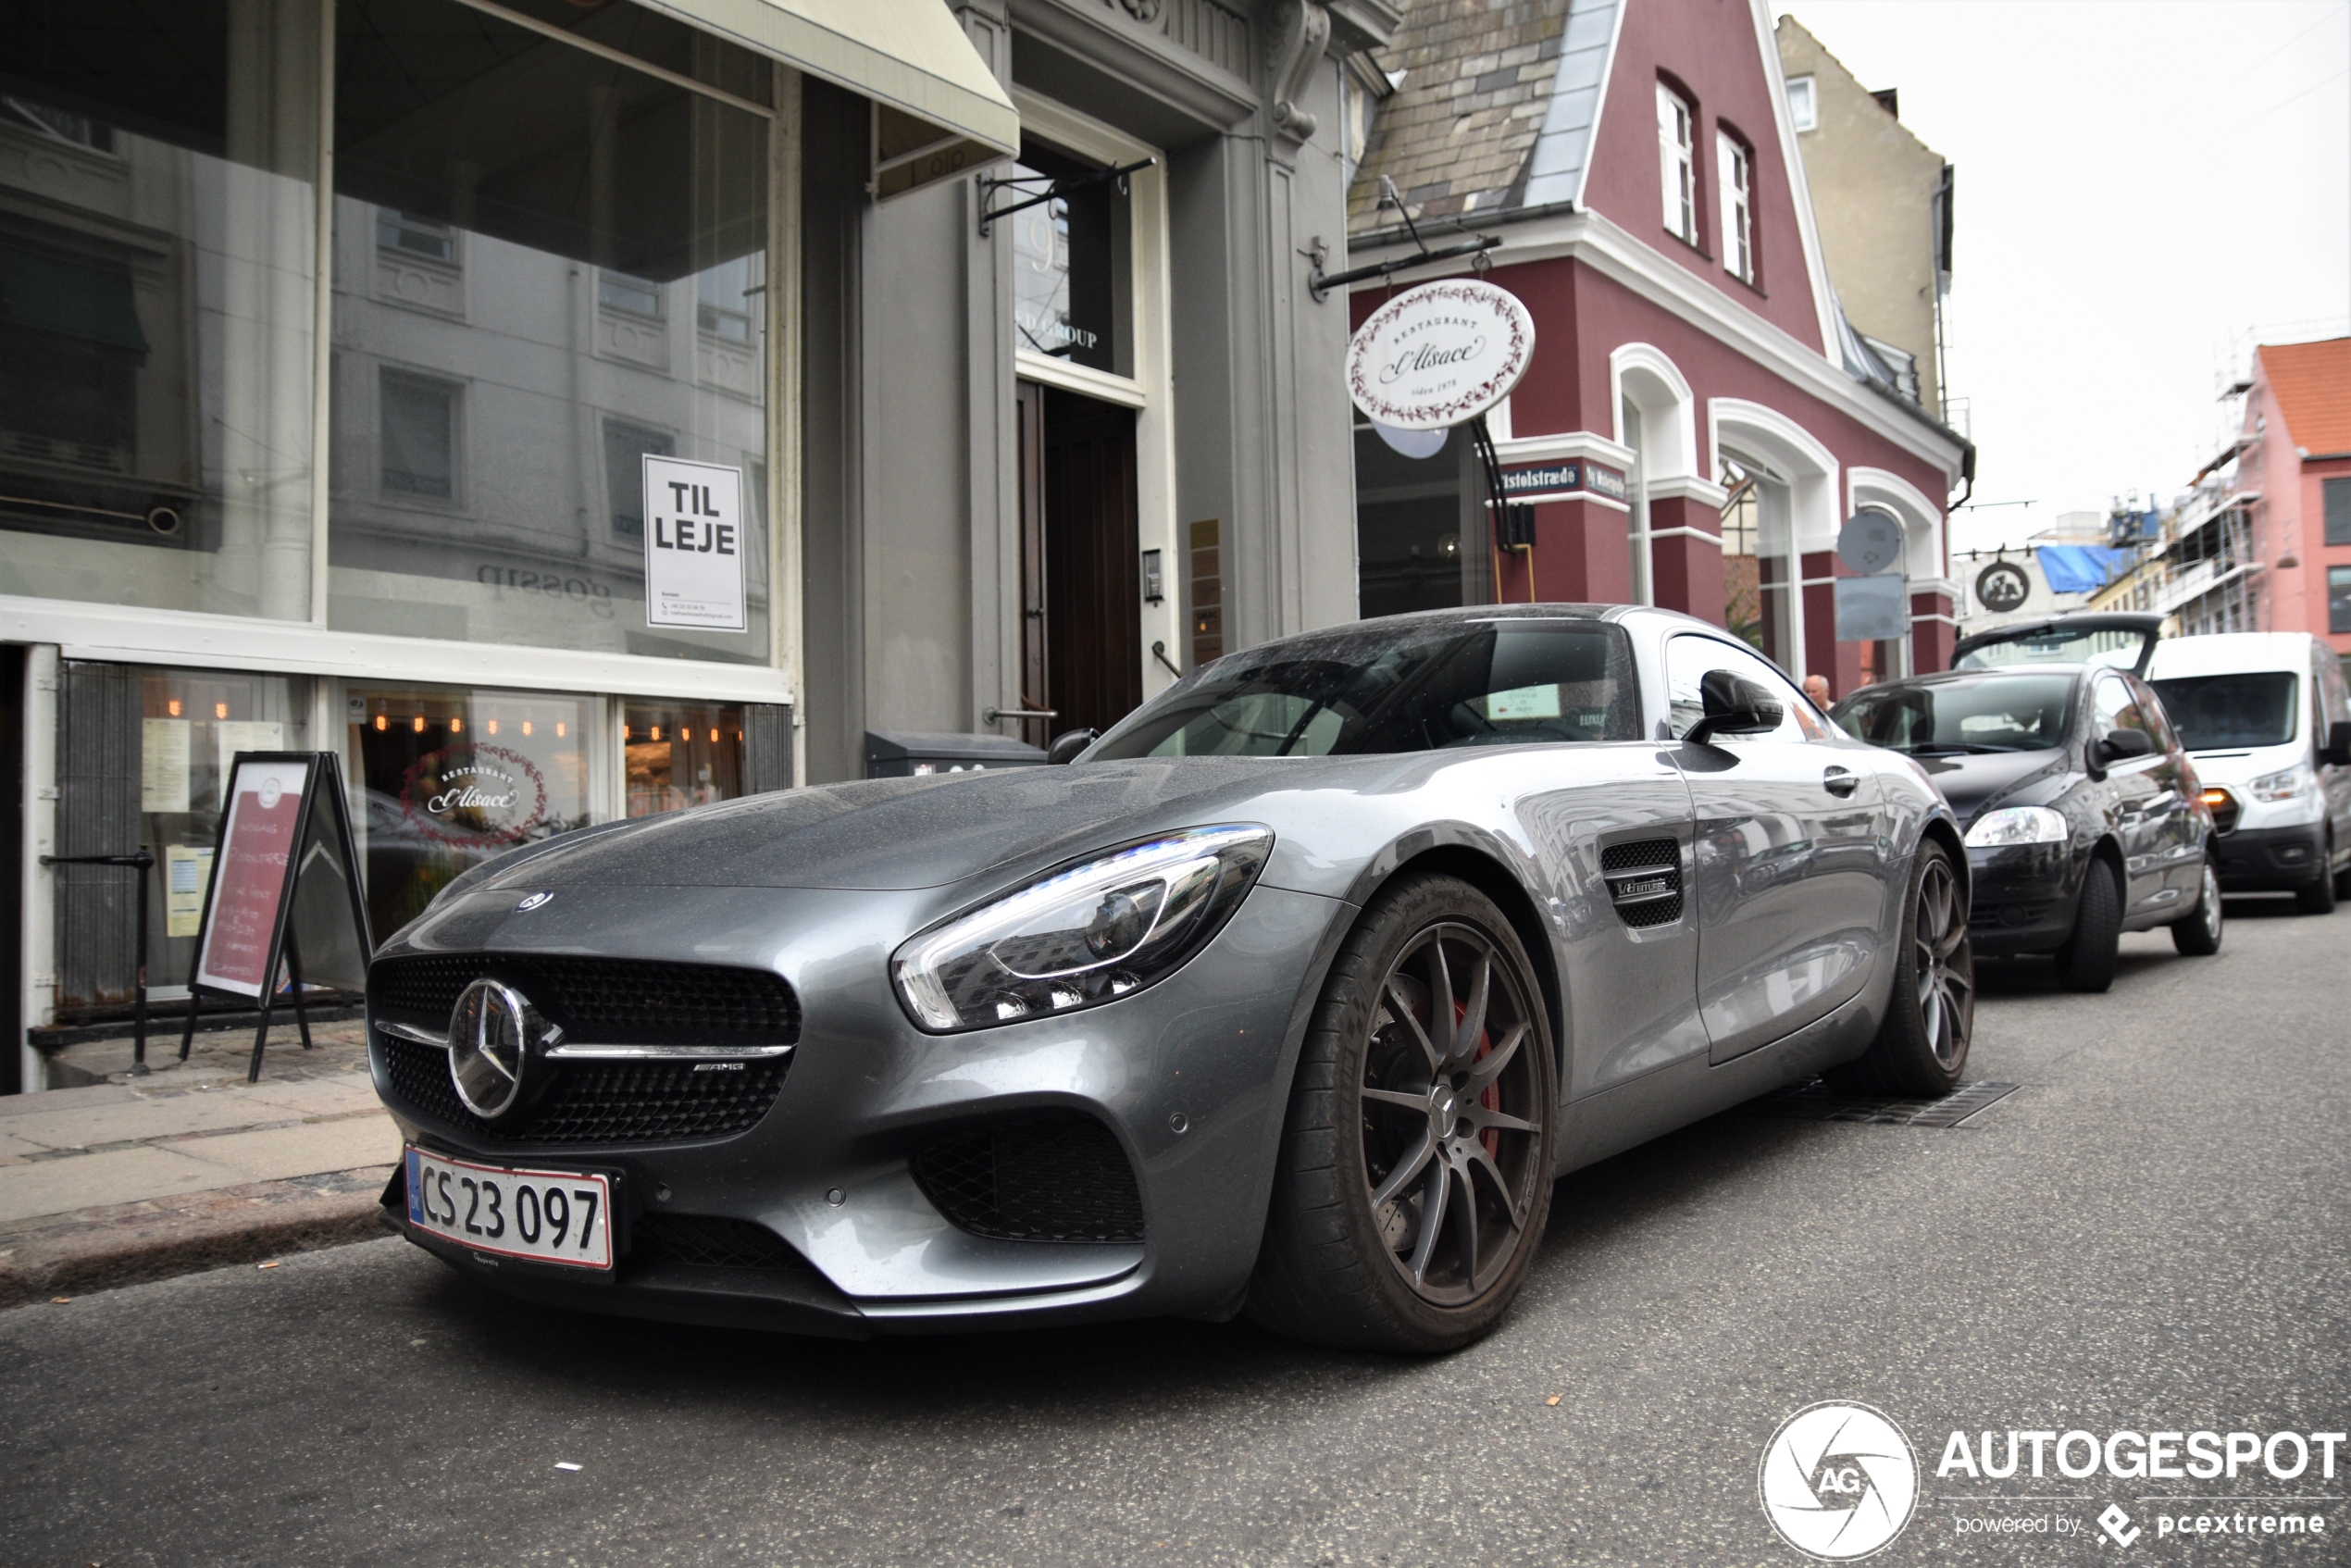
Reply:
x=1677 y=163
x=1735 y=169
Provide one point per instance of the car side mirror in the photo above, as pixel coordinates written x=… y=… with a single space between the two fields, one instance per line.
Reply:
x=1068 y=743
x=2116 y=745
x=1731 y=704
x=2338 y=752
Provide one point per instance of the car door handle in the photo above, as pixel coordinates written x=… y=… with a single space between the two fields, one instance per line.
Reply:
x=1839 y=781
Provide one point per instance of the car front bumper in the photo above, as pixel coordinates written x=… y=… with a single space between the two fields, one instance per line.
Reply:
x=2271 y=859
x=1189 y=1077
x=2025 y=898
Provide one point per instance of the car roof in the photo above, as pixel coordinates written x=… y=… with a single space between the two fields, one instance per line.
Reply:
x=2224 y=652
x=1991 y=672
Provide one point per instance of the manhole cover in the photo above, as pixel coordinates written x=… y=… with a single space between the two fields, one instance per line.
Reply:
x=1818 y=1102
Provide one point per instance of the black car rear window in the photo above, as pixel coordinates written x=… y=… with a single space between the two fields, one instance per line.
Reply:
x=2218 y=712
x=1412 y=688
x=1995 y=713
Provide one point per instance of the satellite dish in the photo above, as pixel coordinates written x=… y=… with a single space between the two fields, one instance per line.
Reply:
x=1412 y=443
x=1439 y=354
x=1869 y=541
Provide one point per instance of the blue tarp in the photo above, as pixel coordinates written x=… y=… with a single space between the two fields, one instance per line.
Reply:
x=2080 y=568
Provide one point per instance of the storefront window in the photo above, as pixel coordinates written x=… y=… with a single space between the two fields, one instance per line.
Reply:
x=550 y=266
x=682 y=754
x=1072 y=267
x=1758 y=530
x=446 y=778
x=1411 y=551
x=143 y=757
x=157 y=244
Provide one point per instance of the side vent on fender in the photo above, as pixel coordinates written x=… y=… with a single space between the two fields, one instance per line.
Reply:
x=1644 y=880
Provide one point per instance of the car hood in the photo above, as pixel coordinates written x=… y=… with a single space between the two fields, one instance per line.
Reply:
x=891 y=834
x=1972 y=783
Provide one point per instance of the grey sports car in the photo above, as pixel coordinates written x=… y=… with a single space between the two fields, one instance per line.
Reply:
x=1291 y=995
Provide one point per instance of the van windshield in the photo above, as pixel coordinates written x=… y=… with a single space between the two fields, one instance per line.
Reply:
x=2231 y=712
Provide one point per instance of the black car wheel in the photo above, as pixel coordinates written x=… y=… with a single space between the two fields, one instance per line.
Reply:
x=2319 y=897
x=2086 y=961
x=2197 y=934
x=1921 y=1047
x=1415 y=1170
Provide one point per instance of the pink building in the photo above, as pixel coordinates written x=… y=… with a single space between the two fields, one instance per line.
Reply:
x=2295 y=468
x=1699 y=419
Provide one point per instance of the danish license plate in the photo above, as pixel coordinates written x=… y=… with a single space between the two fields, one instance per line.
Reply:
x=546 y=1216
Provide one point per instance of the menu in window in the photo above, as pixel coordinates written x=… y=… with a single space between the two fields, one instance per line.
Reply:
x=163 y=765
x=265 y=807
x=245 y=735
x=693 y=545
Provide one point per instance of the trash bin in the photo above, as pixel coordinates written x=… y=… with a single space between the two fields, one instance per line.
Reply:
x=901 y=753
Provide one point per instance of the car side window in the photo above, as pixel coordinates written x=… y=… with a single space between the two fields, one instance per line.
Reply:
x=1689 y=657
x=2112 y=708
x=2158 y=723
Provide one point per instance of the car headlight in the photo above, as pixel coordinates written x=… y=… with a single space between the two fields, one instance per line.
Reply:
x=1083 y=936
x=2017 y=824
x=2286 y=784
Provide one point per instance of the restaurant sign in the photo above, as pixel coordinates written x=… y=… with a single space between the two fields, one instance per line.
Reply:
x=1439 y=354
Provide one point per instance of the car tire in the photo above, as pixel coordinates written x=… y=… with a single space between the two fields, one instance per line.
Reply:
x=2197 y=934
x=2087 y=962
x=1389 y=1119
x=1922 y=1046
x=2319 y=897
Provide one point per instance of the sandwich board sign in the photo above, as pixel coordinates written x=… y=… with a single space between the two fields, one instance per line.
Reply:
x=284 y=906
x=693 y=545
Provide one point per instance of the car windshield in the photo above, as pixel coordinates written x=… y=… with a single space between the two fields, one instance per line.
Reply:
x=1996 y=713
x=2242 y=709
x=1416 y=687
x=2120 y=647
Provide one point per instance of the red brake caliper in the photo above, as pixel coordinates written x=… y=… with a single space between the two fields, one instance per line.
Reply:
x=1492 y=1098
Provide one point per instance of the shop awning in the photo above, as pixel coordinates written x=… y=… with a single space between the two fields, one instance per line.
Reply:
x=941 y=112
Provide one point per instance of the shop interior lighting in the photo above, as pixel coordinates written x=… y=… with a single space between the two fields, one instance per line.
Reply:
x=493 y=727
x=526 y=726
x=559 y=730
x=220 y=710
x=420 y=723
x=379 y=722
x=173 y=707
x=456 y=726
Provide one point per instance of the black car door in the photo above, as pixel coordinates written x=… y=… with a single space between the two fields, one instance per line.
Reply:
x=2132 y=793
x=2180 y=838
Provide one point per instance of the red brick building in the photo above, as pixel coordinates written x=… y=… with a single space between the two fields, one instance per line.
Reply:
x=1700 y=419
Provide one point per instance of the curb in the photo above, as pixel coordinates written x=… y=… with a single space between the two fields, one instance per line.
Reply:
x=135 y=1243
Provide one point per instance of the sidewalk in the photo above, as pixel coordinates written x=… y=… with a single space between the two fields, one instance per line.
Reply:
x=188 y=1167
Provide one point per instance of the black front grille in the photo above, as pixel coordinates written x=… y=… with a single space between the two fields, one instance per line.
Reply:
x=601 y=1000
x=709 y=1242
x=596 y=1101
x=1637 y=874
x=1039 y=1178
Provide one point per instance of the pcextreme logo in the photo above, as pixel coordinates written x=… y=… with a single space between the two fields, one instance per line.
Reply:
x=1838 y=1481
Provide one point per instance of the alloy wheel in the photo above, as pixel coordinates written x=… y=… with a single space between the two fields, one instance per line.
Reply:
x=1945 y=963
x=2210 y=909
x=1451 y=1131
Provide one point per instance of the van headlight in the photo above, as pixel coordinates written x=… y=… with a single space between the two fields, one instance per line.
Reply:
x=2286 y=784
x=1083 y=936
x=2017 y=824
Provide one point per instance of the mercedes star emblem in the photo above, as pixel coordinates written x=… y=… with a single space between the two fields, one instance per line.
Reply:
x=490 y=1035
x=533 y=902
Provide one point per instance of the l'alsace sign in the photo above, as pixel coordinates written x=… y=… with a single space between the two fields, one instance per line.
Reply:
x=1439 y=354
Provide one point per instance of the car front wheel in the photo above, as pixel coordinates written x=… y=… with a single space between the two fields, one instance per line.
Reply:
x=1415 y=1168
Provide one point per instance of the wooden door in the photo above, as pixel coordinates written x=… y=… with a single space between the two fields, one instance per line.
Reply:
x=1091 y=550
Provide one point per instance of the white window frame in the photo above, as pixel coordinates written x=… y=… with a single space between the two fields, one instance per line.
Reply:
x=1734 y=173
x=1803 y=102
x=1677 y=163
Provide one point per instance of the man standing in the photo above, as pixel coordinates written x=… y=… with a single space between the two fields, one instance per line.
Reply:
x=1816 y=686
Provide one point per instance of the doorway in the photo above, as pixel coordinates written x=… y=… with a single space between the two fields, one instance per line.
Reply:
x=1081 y=562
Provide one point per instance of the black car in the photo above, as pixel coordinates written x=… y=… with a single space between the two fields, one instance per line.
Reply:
x=2084 y=817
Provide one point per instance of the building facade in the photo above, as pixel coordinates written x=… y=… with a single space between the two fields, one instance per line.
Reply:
x=358 y=358
x=1700 y=419
x=1883 y=203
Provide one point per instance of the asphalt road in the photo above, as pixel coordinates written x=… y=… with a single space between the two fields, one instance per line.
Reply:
x=2150 y=1234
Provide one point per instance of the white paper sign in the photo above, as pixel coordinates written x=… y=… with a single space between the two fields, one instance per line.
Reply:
x=693 y=545
x=163 y=765
x=1439 y=354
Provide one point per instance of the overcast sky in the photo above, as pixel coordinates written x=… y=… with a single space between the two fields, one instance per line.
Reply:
x=2138 y=185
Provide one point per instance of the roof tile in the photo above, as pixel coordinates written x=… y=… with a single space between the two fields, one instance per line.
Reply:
x=2312 y=382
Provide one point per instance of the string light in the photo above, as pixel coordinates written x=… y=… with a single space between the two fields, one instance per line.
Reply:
x=173 y=707
x=713 y=737
x=559 y=730
x=456 y=726
x=493 y=727
x=526 y=726
x=379 y=721
x=656 y=731
x=220 y=710
x=420 y=723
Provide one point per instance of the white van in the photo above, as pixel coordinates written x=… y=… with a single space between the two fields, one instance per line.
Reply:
x=2266 y=717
